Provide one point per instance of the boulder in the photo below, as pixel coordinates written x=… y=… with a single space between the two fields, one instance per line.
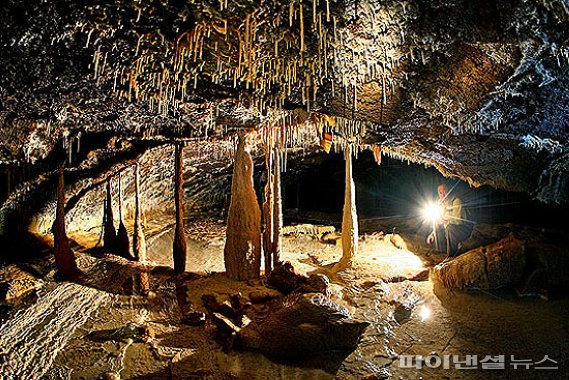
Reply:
x=302 y=325
x=331 y=238
x=263 y=296
x=316 y=283
x=285 y=279
x=396 y=240
x=489 y=267
x=194 y=318
x=239 y=302
x=214 y=306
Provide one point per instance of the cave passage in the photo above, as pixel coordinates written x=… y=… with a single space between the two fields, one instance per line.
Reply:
x=397 y=189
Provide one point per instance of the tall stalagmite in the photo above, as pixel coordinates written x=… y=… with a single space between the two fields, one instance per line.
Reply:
x=122 y=242
x=272 y=206
x=138 y=238
x=179 y=247
x=110 y=233
x=268 y=219
x=243 y=243
x=64 y=257
x=350 y=217
x=277 y=210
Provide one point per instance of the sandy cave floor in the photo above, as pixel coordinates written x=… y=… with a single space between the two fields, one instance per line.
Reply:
x=52 y=333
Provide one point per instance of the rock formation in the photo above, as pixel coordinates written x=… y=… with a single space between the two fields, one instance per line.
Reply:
x=302 y=325
x=481 y=95
x=138 y=238
x=122 y=243
x=110 y=234
x=64 y=257
x=242 y=251
x=179 y=245
x=489 y=267
x=349 y=217
x=272 y=206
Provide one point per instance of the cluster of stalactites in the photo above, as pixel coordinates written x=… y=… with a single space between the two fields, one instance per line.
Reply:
x=276 y=51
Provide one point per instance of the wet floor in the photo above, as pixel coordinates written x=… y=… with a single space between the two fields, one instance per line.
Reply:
x=407 y=318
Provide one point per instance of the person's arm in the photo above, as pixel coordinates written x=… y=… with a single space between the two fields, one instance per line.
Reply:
x=431 y=238
x=455 y=214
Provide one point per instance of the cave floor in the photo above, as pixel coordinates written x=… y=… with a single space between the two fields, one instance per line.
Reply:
x=51 y=337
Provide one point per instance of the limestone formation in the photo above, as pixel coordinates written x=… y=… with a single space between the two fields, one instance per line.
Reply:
x=277 y=210
x=302 y=325
x=268 y=220
x=138 y=238
x=122 y=243
x=179 y=246
x=272 y=210
x=242 y=251
x=349 y=217
x=110 y=234
x=489 y=267
x=64 y=257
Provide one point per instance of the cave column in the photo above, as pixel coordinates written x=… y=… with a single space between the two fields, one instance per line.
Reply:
x=277 y=210
x=110 y=234
x=349 y=217
x=64 y=257
x=179 y=246
x=242 y=251
x=272 y=207
x=268 y=219
x=122 y=242
x=138 y=238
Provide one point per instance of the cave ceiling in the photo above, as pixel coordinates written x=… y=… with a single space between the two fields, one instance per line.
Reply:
x=479 y=89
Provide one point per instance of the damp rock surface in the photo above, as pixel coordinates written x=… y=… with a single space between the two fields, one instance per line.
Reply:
x=488 y=267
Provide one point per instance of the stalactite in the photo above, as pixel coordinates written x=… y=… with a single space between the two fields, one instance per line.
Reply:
x=179 y=246
x=377 y=154
x=242 y=251
x=64 y=257
x=349 y=217
x=122 y=242
x=138 y=238
x=110 y=233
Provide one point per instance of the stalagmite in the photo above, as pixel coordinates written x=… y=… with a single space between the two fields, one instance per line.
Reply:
x=138 y=238
x=122 y=243
x=268 y=219
x=110 y=233
x=349 y=218
x=242 y=251
x=179 y=246
x=277 y=210
x=64 y=257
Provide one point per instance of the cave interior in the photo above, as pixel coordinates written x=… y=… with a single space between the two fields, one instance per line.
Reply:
x=239 y=189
